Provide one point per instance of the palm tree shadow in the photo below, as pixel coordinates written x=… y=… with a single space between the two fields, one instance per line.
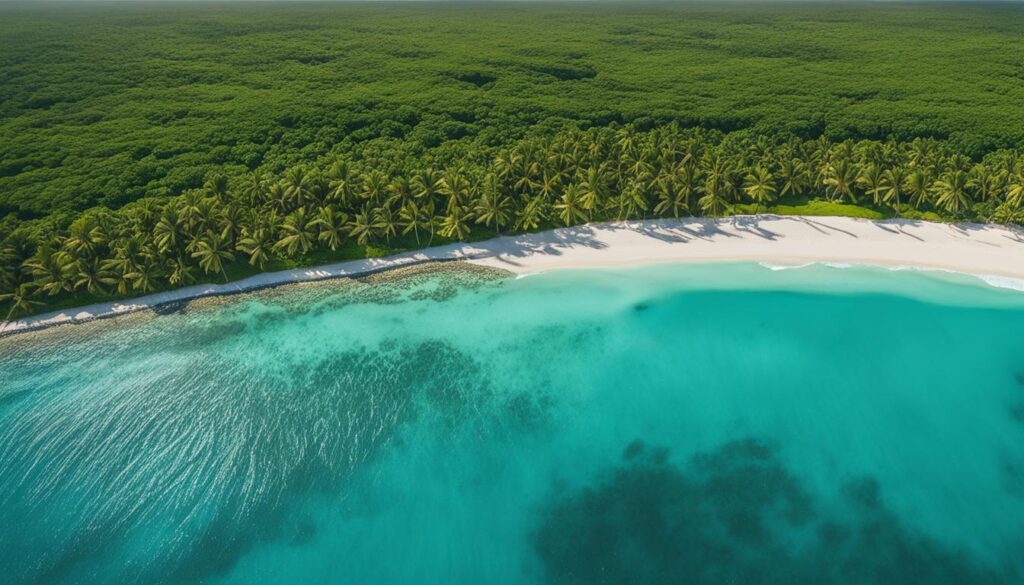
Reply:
x=666 y=231
x=752 y=225
x=1017 y=235
x=706 y=229
x=965 y=229
x=819 y=226
x=896 y=227
x=552 y=243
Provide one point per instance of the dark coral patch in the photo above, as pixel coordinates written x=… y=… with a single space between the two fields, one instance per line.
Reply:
x=734 y=515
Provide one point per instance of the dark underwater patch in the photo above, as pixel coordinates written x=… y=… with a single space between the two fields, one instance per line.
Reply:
x=734 y=515
x=216 y=332
x=1013 y=477
x=1017 y=412
x=302 y=432
x=528 y=411
x=382 y=389
x=392 y=385
x=170 y=308
x=633 y=450
x=1019 y=378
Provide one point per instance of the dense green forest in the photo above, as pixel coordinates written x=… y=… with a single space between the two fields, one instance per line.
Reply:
x=106 y=103
x=574 y=177
x=149 y=145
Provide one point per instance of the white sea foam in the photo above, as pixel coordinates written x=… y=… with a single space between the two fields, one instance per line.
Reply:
x=1003 y=282
x=1006 y=282
x=775 y=266
x=990 y=280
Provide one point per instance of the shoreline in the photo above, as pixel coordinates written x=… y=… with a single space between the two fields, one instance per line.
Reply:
x=986 y=251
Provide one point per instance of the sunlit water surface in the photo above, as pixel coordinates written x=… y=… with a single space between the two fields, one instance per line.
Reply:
x=666 y=424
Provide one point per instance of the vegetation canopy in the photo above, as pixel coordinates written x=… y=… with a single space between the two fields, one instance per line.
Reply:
x=150 y=146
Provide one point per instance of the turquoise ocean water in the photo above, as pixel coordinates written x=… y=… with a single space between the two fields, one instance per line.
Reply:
x=664 y=424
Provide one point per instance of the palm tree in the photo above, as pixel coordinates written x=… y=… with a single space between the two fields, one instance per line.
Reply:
x=456 y=187
x=216 y=185
x=146 y=276
x=455 y=224
x=212 y=251
x=332 y=226
x=688 y=182
x=716 y=185
x=85 y=236
x=626 y=138
x=258 y=244
x=634 y=198
x=341 y=179
x=51 y=269
x=385 y=222
x=117 y=276
x=401 y=190
x=920 y=152
x=180 y=273
x=1007 y=214
x=362 y=226
x=550 y=184
x=870 y=179
x=505 y=163
x=90 y=275
x=793 y=175
x=713 y=202
x=918 y=185
x=168 y=232
x=840 y=179
x=531 y=215
x=526 y=174
x=593 y=193
x=892 y=183
x=141 y=215
x=295 y=185
x=20 y=300
x=985 y=182
x=952 y=191
x=318 y=189
x=760 y=187
x=1015 y=190
x=204 y=218
x=426 y=184
x=231 y=222
x=297 y=234
x=254 y=189
x=277 y=195
x=417 y=217
x=493 y=207
x=126 y=255
x=570 y=207
x=188 y=206
x=670 y=199
x=640 y=168
x=375 y=188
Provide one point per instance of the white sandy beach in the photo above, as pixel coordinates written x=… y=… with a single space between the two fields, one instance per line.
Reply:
x=983 y=250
